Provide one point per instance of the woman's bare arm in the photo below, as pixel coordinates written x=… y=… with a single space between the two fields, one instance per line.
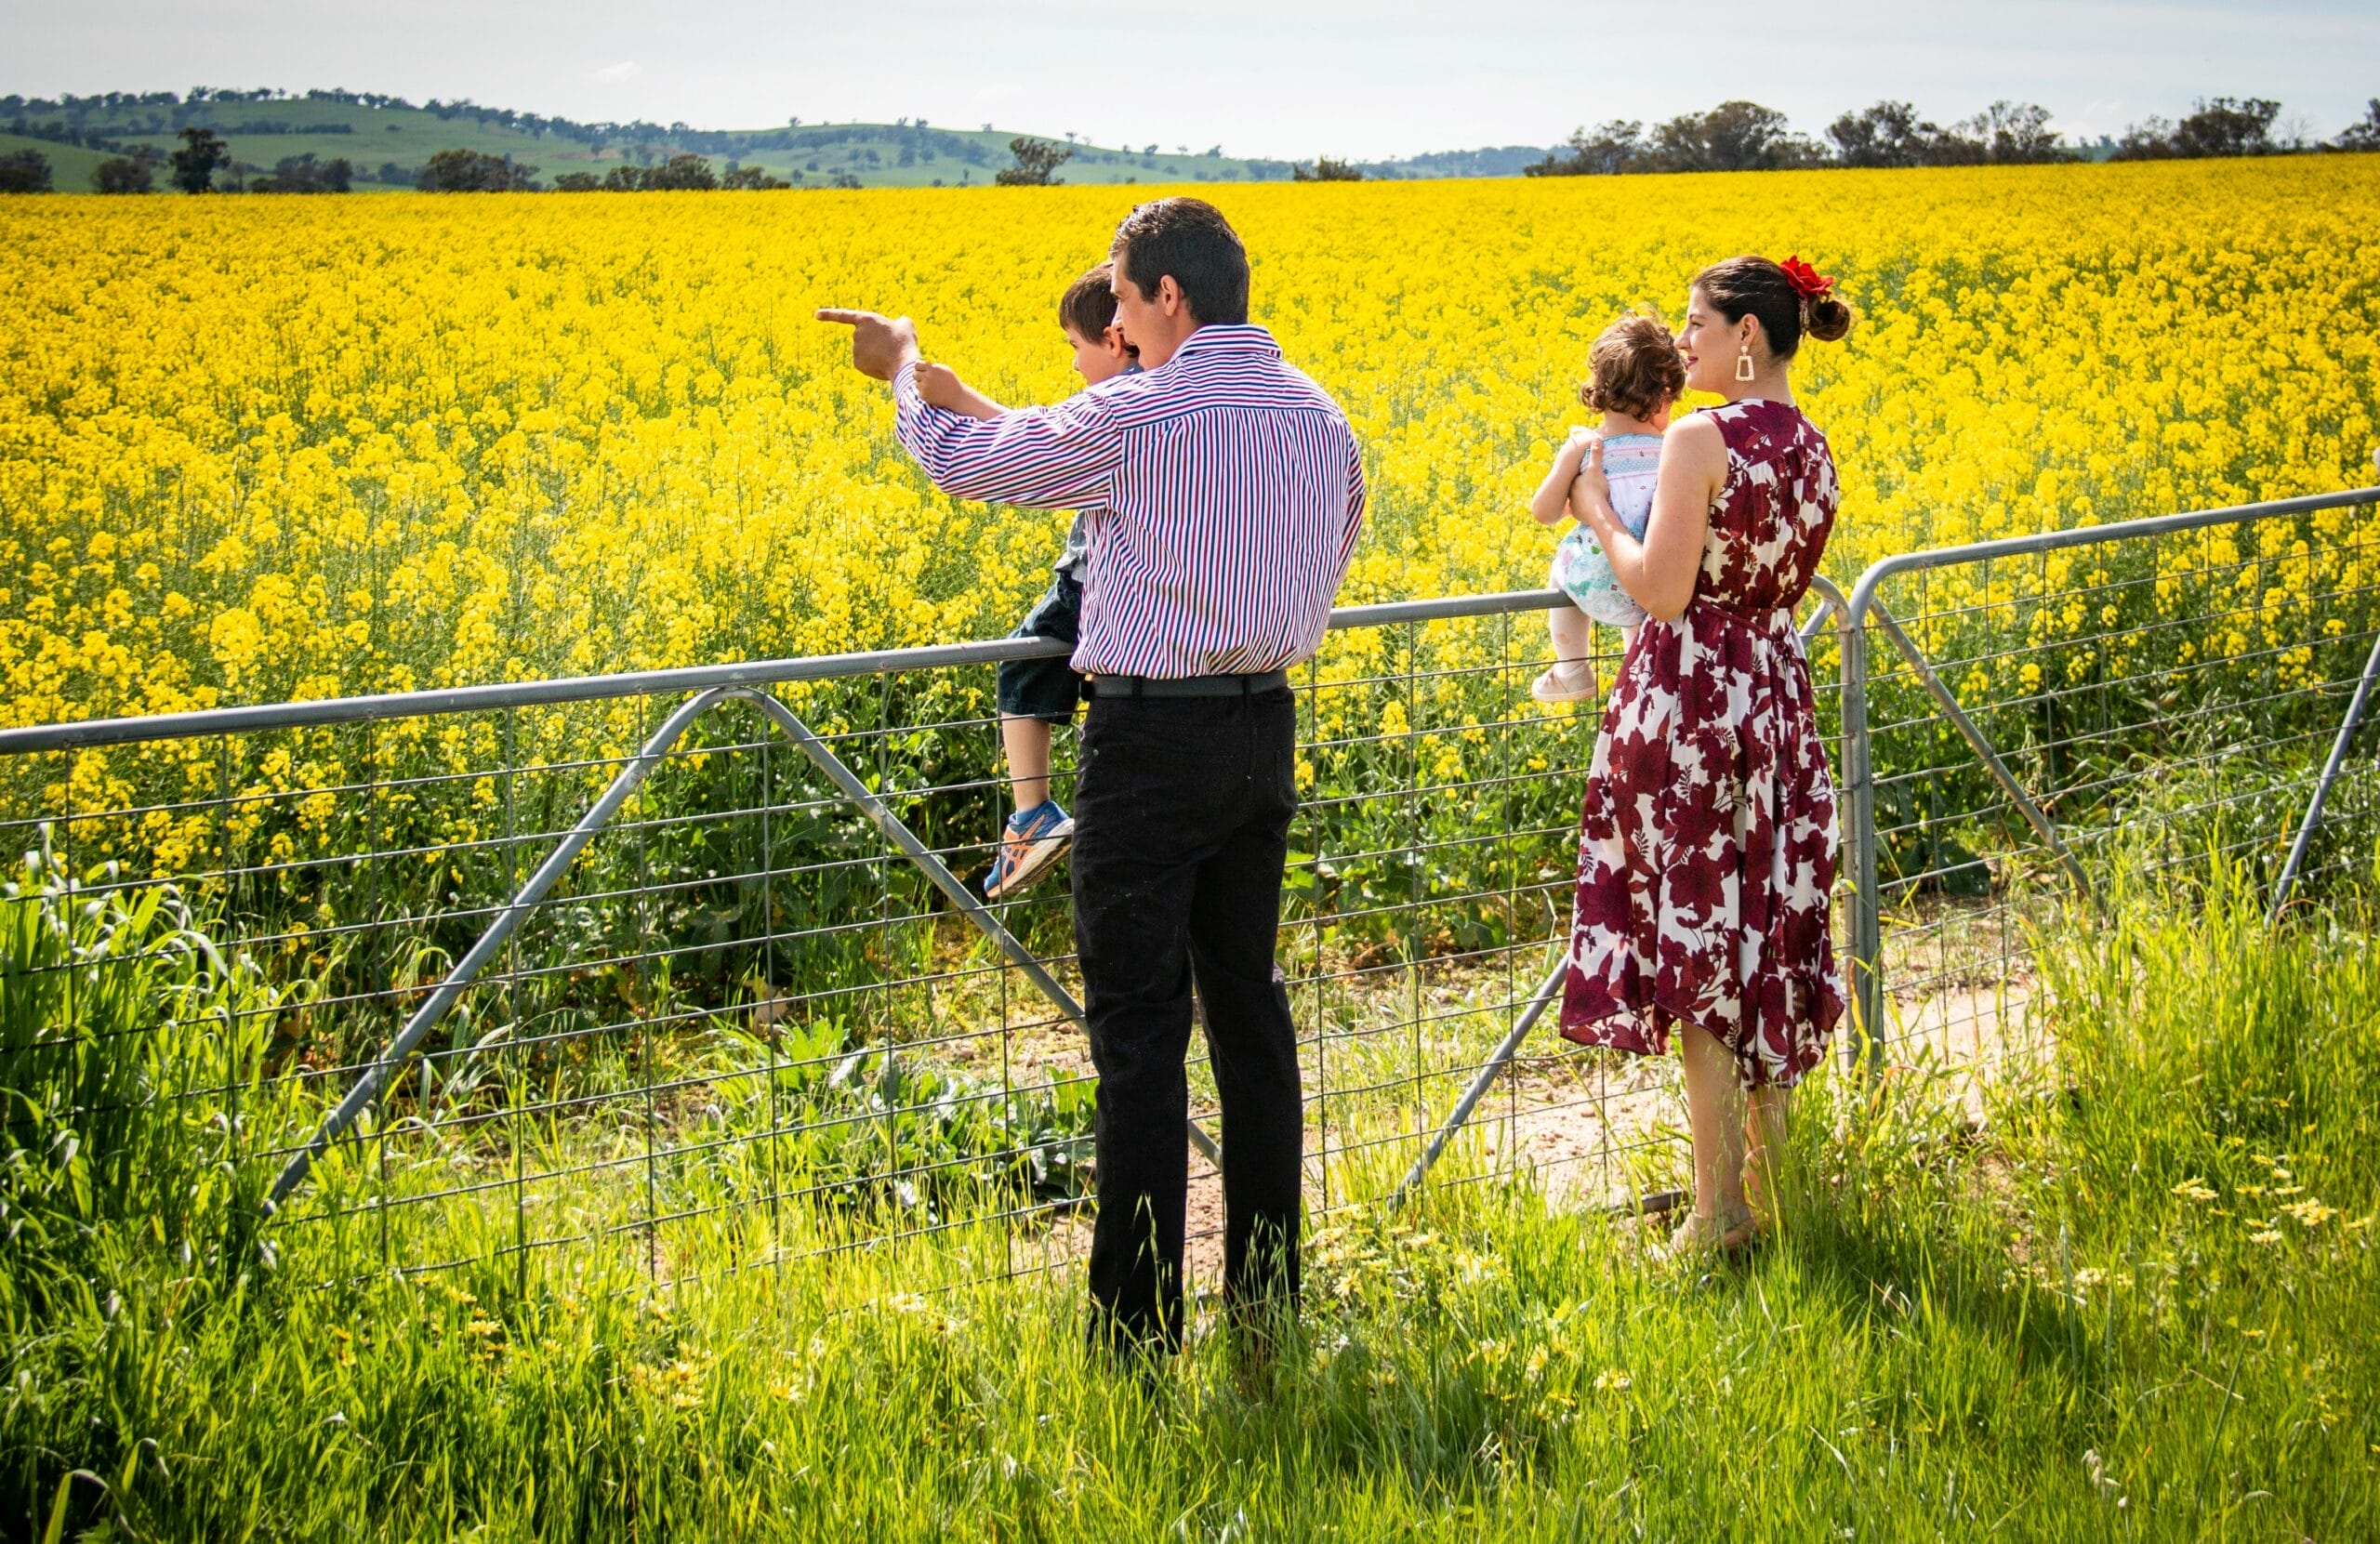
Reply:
x=1660 y=572
x=1551 y=501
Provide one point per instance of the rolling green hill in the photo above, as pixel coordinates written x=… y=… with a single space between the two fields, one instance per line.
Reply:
x=70 y=166
x=386 y=141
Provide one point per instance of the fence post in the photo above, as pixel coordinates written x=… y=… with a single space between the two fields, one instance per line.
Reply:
x=1859 y=772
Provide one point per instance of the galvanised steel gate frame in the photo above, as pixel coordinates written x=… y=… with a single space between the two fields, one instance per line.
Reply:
x=712 y=687
x=1866 y=617
x=1854 y=620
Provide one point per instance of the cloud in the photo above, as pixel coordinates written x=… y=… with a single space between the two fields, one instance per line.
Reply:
x=610 y=74
x=2108 y=116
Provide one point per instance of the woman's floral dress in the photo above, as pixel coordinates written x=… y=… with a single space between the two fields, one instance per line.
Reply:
x=1707 y=847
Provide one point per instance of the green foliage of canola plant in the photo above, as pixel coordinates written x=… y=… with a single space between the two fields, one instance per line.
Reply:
x=2135 y=1303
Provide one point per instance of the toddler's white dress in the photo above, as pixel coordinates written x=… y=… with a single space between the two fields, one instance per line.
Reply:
x=1631 y=463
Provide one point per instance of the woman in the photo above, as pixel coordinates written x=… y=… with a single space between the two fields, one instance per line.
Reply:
x=1707 y=846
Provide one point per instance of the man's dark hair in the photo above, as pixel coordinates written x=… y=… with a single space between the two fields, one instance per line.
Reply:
x=1189 y=238
x=1088 y=306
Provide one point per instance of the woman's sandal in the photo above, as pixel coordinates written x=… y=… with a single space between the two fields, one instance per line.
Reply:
x=1699 y=1235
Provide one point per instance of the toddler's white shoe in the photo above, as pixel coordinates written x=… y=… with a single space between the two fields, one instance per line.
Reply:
x=1573 y=681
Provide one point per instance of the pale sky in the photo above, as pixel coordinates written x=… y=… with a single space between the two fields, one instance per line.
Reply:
x=1363 y=79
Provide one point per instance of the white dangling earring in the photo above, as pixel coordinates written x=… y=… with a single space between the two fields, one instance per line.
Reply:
x=1743 y=361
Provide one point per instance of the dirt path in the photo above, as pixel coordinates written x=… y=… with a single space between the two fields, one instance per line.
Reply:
x=1595 y=1130
x=1387 y=1052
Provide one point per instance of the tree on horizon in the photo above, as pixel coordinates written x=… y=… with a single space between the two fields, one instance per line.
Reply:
x=203 y=153
x=1035 y=160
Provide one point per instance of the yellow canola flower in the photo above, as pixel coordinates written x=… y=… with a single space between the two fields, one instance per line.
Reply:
x=266 y=449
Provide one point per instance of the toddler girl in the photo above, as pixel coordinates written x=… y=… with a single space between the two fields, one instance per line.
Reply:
x=1634 y=376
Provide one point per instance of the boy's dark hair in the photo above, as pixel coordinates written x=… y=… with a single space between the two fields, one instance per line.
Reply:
x=1189 y=238
x=1757 y=286
x=1632 y=368
x=1088 y=305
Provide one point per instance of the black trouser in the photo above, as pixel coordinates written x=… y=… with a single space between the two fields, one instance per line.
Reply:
x=1182 y=823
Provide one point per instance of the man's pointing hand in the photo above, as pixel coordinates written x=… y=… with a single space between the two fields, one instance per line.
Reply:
x=881 y=345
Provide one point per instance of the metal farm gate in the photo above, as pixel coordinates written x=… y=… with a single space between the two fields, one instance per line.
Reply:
x=605 y=962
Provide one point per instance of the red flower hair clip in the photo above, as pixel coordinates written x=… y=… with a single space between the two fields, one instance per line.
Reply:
x=1807 y=282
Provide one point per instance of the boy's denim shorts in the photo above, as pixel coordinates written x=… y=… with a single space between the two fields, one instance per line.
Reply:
x=1045 y=689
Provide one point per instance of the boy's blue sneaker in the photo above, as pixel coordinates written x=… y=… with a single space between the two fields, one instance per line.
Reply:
x=1031 y=843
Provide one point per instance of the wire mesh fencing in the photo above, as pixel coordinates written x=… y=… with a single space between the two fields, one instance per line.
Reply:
x=690 y=970
x=2050 y=719
x=693 y=969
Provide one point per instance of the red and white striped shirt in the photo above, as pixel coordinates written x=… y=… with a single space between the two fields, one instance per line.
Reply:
x=1224 y=489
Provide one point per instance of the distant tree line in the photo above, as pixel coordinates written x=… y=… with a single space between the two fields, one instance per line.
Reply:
x=910 y=142
x=194 y=169
x=468 y=171
x=1486 y=161
x=167 y=112
x=683 y=174
x=58 y=131
x=1736 y=135
x=647 y=141
x=1732 y=137
x=1891 y=134
x=464 y=171
x=203 y=154
x=115 y=122
x=1741 y=136
x=303 y=174
x=204 y=164
x=2237 y=126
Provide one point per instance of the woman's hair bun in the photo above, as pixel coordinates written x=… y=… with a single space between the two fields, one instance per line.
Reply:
x=1792 y=303
x=1827 y=319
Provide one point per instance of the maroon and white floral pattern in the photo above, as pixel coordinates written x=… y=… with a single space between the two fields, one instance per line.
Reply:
x=1707 y=846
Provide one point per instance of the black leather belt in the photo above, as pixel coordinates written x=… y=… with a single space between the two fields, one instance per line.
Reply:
x=1188 y=686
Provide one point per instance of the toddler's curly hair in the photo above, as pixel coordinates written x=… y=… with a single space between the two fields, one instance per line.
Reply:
x=1632 y=368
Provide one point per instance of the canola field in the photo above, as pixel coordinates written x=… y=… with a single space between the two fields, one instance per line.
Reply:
x=255 y=451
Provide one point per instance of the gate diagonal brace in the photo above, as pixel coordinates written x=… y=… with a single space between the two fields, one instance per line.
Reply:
x=2313 y=821
x=1949 y=703
x=600 y=814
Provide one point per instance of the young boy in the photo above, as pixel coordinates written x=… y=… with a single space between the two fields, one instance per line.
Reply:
x=1036 y=693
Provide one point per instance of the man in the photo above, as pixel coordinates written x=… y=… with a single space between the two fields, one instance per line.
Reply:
x=1227 y=492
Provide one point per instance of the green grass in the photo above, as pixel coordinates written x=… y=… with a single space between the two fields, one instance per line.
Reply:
x=2136 y=1304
